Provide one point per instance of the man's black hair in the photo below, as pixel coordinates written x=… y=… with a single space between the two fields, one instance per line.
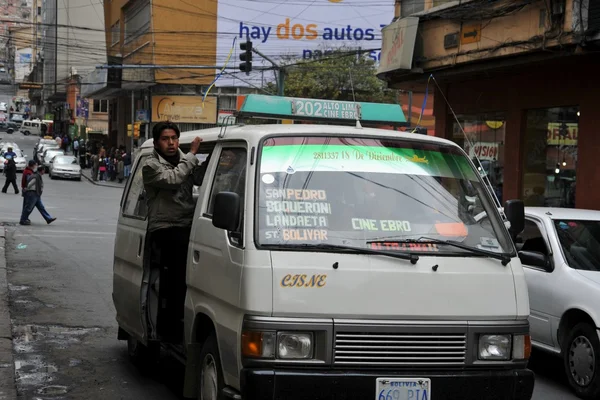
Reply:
x=31 y=163
x=161 y=126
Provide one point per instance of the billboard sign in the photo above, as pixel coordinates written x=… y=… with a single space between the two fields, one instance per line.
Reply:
x=22 y=64
x=184 y=109
x=302 y=30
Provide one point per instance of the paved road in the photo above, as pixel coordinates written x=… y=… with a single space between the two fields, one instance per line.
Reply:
x=61 y=307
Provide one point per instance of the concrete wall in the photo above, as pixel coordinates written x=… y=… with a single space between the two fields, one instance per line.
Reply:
x=516 y=33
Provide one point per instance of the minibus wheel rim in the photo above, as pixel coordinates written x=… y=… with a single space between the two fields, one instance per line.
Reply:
x=209 y=378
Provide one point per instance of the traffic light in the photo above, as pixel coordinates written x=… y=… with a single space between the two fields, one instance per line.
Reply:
x=246 y=57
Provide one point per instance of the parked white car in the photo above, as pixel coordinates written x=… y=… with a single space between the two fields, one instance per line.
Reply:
x=66 y=167
x=560 y=253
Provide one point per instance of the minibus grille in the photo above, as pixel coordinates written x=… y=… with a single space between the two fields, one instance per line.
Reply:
x=368 y=350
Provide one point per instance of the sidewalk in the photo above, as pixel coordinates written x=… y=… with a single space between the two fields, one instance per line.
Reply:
x=87 y=174
x=7 y=365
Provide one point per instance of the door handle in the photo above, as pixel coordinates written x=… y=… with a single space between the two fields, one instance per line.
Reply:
x=140 y=246
x=196 y=258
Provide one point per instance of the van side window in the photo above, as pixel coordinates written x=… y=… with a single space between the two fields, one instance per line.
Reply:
x=135 y=202
x=204 y=151
x=230 y=175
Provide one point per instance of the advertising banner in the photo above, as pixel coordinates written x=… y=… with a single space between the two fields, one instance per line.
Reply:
x=300 y=30
x=22 y=64
x=184 y=109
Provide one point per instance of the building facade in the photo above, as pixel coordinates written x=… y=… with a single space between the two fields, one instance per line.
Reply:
x=72 y=45
x=512 y=82
x=146 y=42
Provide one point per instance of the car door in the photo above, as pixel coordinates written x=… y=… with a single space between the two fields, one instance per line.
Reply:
x=128 y=268
x=218 y=255
x=534 y=238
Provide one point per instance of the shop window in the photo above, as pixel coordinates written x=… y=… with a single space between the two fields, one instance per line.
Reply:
x=483 y=140
x=550 y=157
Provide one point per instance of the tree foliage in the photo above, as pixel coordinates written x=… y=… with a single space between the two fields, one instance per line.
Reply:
x=333 y=76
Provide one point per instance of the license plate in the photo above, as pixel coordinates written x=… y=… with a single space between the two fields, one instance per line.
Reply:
x=403 y=389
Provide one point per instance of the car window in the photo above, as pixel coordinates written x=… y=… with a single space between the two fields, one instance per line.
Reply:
x=580 y=242
x=135 y=203
x=531 y=239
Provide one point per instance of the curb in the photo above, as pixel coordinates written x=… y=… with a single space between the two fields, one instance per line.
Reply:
x=7 y=365
x=89 y=178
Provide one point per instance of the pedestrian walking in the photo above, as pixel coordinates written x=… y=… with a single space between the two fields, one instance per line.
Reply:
x=127 y=163
x=120 y=169
x=75 y=147
x=33 y=198
x=10 y=170
x=95 y=160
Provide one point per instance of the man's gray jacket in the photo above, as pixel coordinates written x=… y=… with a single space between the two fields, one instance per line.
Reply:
x=169 y=190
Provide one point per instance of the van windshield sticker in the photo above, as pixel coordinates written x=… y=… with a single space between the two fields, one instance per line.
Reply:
x=345 y=158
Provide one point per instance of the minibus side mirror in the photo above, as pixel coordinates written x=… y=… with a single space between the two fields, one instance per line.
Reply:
x=515 y=213
x=226 y=212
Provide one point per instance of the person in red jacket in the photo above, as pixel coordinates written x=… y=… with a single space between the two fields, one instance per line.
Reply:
x=28 y=171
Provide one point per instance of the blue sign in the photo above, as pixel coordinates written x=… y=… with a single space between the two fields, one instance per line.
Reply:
x=142 y=116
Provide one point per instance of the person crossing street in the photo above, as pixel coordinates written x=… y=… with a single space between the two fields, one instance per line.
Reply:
x=10 y=170
x=33 y=198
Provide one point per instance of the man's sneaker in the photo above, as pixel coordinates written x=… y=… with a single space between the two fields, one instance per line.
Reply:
x=25 y=222
x=51 y=220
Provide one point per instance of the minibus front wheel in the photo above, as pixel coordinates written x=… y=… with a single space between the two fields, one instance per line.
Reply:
x=210 y=375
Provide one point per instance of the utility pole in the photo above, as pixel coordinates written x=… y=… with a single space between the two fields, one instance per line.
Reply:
x=281 y=82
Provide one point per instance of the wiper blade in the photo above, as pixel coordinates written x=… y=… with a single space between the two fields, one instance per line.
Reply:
x=413 y=258
x=499 y=256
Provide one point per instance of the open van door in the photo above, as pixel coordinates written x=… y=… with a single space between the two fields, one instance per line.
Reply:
x=129 y=283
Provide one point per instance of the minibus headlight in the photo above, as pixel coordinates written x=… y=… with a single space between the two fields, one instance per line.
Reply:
x=494 y=347
x=294 y=345
x=521 y=347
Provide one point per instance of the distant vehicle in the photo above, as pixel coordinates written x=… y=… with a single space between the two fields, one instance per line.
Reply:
x=48 y=155
x=8 y=127
x=2 y=69
x=3 y=107
x=20 y=159
x=65 y=167
x=17 y=119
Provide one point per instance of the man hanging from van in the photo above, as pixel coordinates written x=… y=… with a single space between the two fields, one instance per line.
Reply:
x=169 y=179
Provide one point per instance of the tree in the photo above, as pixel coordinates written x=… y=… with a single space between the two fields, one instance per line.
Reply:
x=333 y=76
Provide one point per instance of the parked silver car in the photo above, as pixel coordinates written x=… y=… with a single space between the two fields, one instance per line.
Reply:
x=65 y=167
x=48 y=155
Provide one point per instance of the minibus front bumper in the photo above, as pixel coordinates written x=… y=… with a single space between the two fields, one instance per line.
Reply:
x=271 y=384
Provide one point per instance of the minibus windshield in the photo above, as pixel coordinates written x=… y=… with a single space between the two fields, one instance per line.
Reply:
x=378 y=193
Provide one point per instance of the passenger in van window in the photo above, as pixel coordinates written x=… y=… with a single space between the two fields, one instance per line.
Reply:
x=169 y=178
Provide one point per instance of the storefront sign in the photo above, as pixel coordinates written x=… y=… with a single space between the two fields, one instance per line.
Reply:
x=184 y=109
x=555 y=139
x=141 y=116
x=483 y=150
x=398 y=45
x=226 y=118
